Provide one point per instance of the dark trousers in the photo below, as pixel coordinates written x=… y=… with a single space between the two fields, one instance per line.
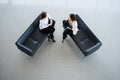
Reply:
x=50 y=30
x=66 y=31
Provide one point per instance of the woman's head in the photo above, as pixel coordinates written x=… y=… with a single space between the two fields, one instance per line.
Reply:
x=72 y=17
x=43 y=15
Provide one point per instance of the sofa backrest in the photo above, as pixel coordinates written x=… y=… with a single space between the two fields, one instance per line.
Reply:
x=82 y=26
x=29 y=31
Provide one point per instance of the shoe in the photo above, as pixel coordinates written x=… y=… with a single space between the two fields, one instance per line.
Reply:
x=53 y=40
x=49 y=40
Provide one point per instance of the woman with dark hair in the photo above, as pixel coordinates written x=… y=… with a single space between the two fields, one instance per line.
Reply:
x=70 y=26
x=46 y=25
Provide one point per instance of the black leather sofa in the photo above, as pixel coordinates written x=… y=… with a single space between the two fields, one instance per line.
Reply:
x=31 y=39
x=86 y=41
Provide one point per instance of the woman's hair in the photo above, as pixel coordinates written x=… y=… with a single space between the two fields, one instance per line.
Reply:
x=73 y=17
x=43 y=15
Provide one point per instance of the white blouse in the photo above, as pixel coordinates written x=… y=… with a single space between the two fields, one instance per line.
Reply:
x=44 y=22
x=75 y=27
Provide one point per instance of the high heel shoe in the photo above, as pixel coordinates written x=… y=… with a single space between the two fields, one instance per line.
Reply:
x=53 y=40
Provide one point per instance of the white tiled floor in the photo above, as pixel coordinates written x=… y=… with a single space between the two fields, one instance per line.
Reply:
x=54 y=61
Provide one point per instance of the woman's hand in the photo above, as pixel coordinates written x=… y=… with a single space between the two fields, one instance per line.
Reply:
x=50 y=24
x=69 y=28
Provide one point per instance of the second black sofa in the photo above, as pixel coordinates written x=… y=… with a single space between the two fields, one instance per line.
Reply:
x=85 y=39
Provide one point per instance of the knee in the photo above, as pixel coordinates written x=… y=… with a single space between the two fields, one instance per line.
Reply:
x=52 y=29
x=65 y=32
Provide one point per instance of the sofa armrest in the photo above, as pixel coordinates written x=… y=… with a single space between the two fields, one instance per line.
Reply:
x=92 y=49
x=20 y=46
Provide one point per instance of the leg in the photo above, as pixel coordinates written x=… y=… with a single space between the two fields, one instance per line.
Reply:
x=52 y=29
x=65 y=33
x=45 y=31
x=49 y=31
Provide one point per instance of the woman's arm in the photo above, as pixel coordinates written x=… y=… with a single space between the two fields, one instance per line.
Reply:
x=75 y=27
x=49 y=17
x=70 y=24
